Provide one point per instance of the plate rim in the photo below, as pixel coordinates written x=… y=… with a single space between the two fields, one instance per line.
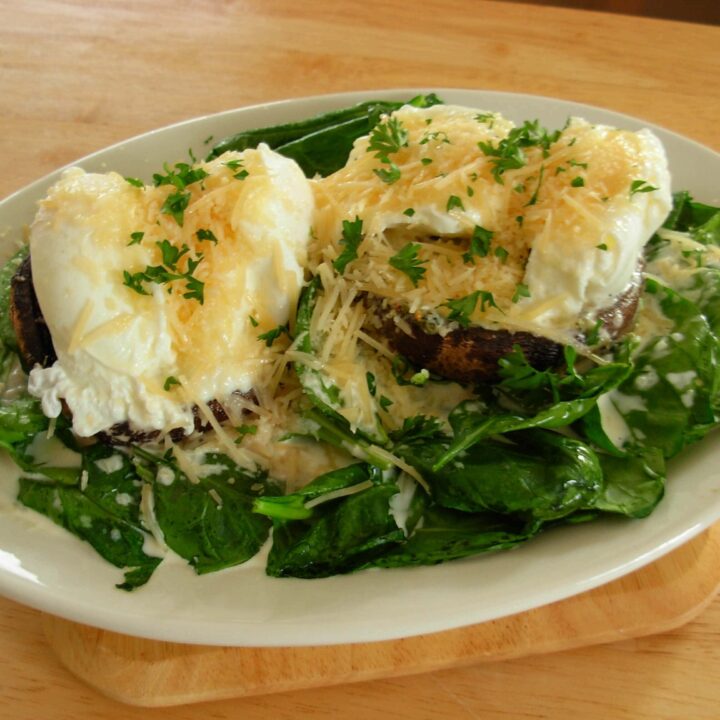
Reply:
x=26 y=592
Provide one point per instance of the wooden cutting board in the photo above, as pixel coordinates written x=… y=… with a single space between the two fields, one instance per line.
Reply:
x=657 y=598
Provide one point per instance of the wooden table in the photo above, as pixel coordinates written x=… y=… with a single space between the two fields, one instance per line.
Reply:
x=77 y=76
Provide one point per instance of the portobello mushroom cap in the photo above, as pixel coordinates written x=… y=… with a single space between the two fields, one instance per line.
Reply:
x=472 y=354
x=36 y=348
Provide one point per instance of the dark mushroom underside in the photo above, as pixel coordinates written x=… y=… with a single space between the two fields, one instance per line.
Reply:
x=472 y=355
x=36 y=348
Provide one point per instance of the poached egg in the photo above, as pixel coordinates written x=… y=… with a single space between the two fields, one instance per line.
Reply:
x=143 y=346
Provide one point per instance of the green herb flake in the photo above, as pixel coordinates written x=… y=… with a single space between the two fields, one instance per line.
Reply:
x=253 y=321
x=386 y=138
x=426 y=161
x=502 y=254
x=420 y=378
x=602 y=246
x=409 y=212
x=170 y=381
x=454 y=202
x=407 y=261
x=641 y=186
x=592 y=337
x=488 y=118
x=534 y=197
x=204 y=234
x=136 y=238
x=577 y=182
x=271 y=336
x=462 y=309
x=134 y=282
x=479 y=244
x=521 y=291
x=509 y=154
x=560 y=169
x=575 y=163
x=439 y=135
x=385 y=402
x=390 y=175
x=208 y=140
x=243 y=430
x=470 y=192
x=520 y=219
x=135 y=182
x=371 y=383
x=351 y=238
x=175 y=205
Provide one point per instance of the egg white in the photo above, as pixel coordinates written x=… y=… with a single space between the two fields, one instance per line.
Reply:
x=117 y=348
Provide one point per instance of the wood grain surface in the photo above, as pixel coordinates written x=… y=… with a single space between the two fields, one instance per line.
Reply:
x=76 y=76
x=657 y=598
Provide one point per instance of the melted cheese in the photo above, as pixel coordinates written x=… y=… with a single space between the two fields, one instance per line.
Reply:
x=115 y=346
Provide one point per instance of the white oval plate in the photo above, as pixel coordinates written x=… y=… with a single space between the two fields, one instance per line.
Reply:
x=43 y=566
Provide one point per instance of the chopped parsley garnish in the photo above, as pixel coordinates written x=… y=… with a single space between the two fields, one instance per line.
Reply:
x=420 y=378
x=271 y=336
x=351 y=239
x=208 y=140
x=179 y=176
x=521 y=291
x=641 y=186
x=134 y=282
x=520 y=219
x=439 y=135
x=470 y=192
x=168 y=272
x=253 y=321
x=243 y=430
x=409 y=212
x=602 y=246
x=386 y=138
x=519 y=188
x=508 y=153
x=170 y=381
x=462 y=309
x=400 y=368
x=136 y=237
x=501 y=253
x=485 y=117
x=135 y=182
x=204 y=234
x=560 y=169
x=390 y=175
x=593 y=335
x=175 y=205
x=575 y=163
x=371 y=384
x=454 y=202
x=577 y=182
x=385 y=402
x=407 y=261
x=426 y=161
x=237 y=165
x=534 y=197
x=479 y=244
